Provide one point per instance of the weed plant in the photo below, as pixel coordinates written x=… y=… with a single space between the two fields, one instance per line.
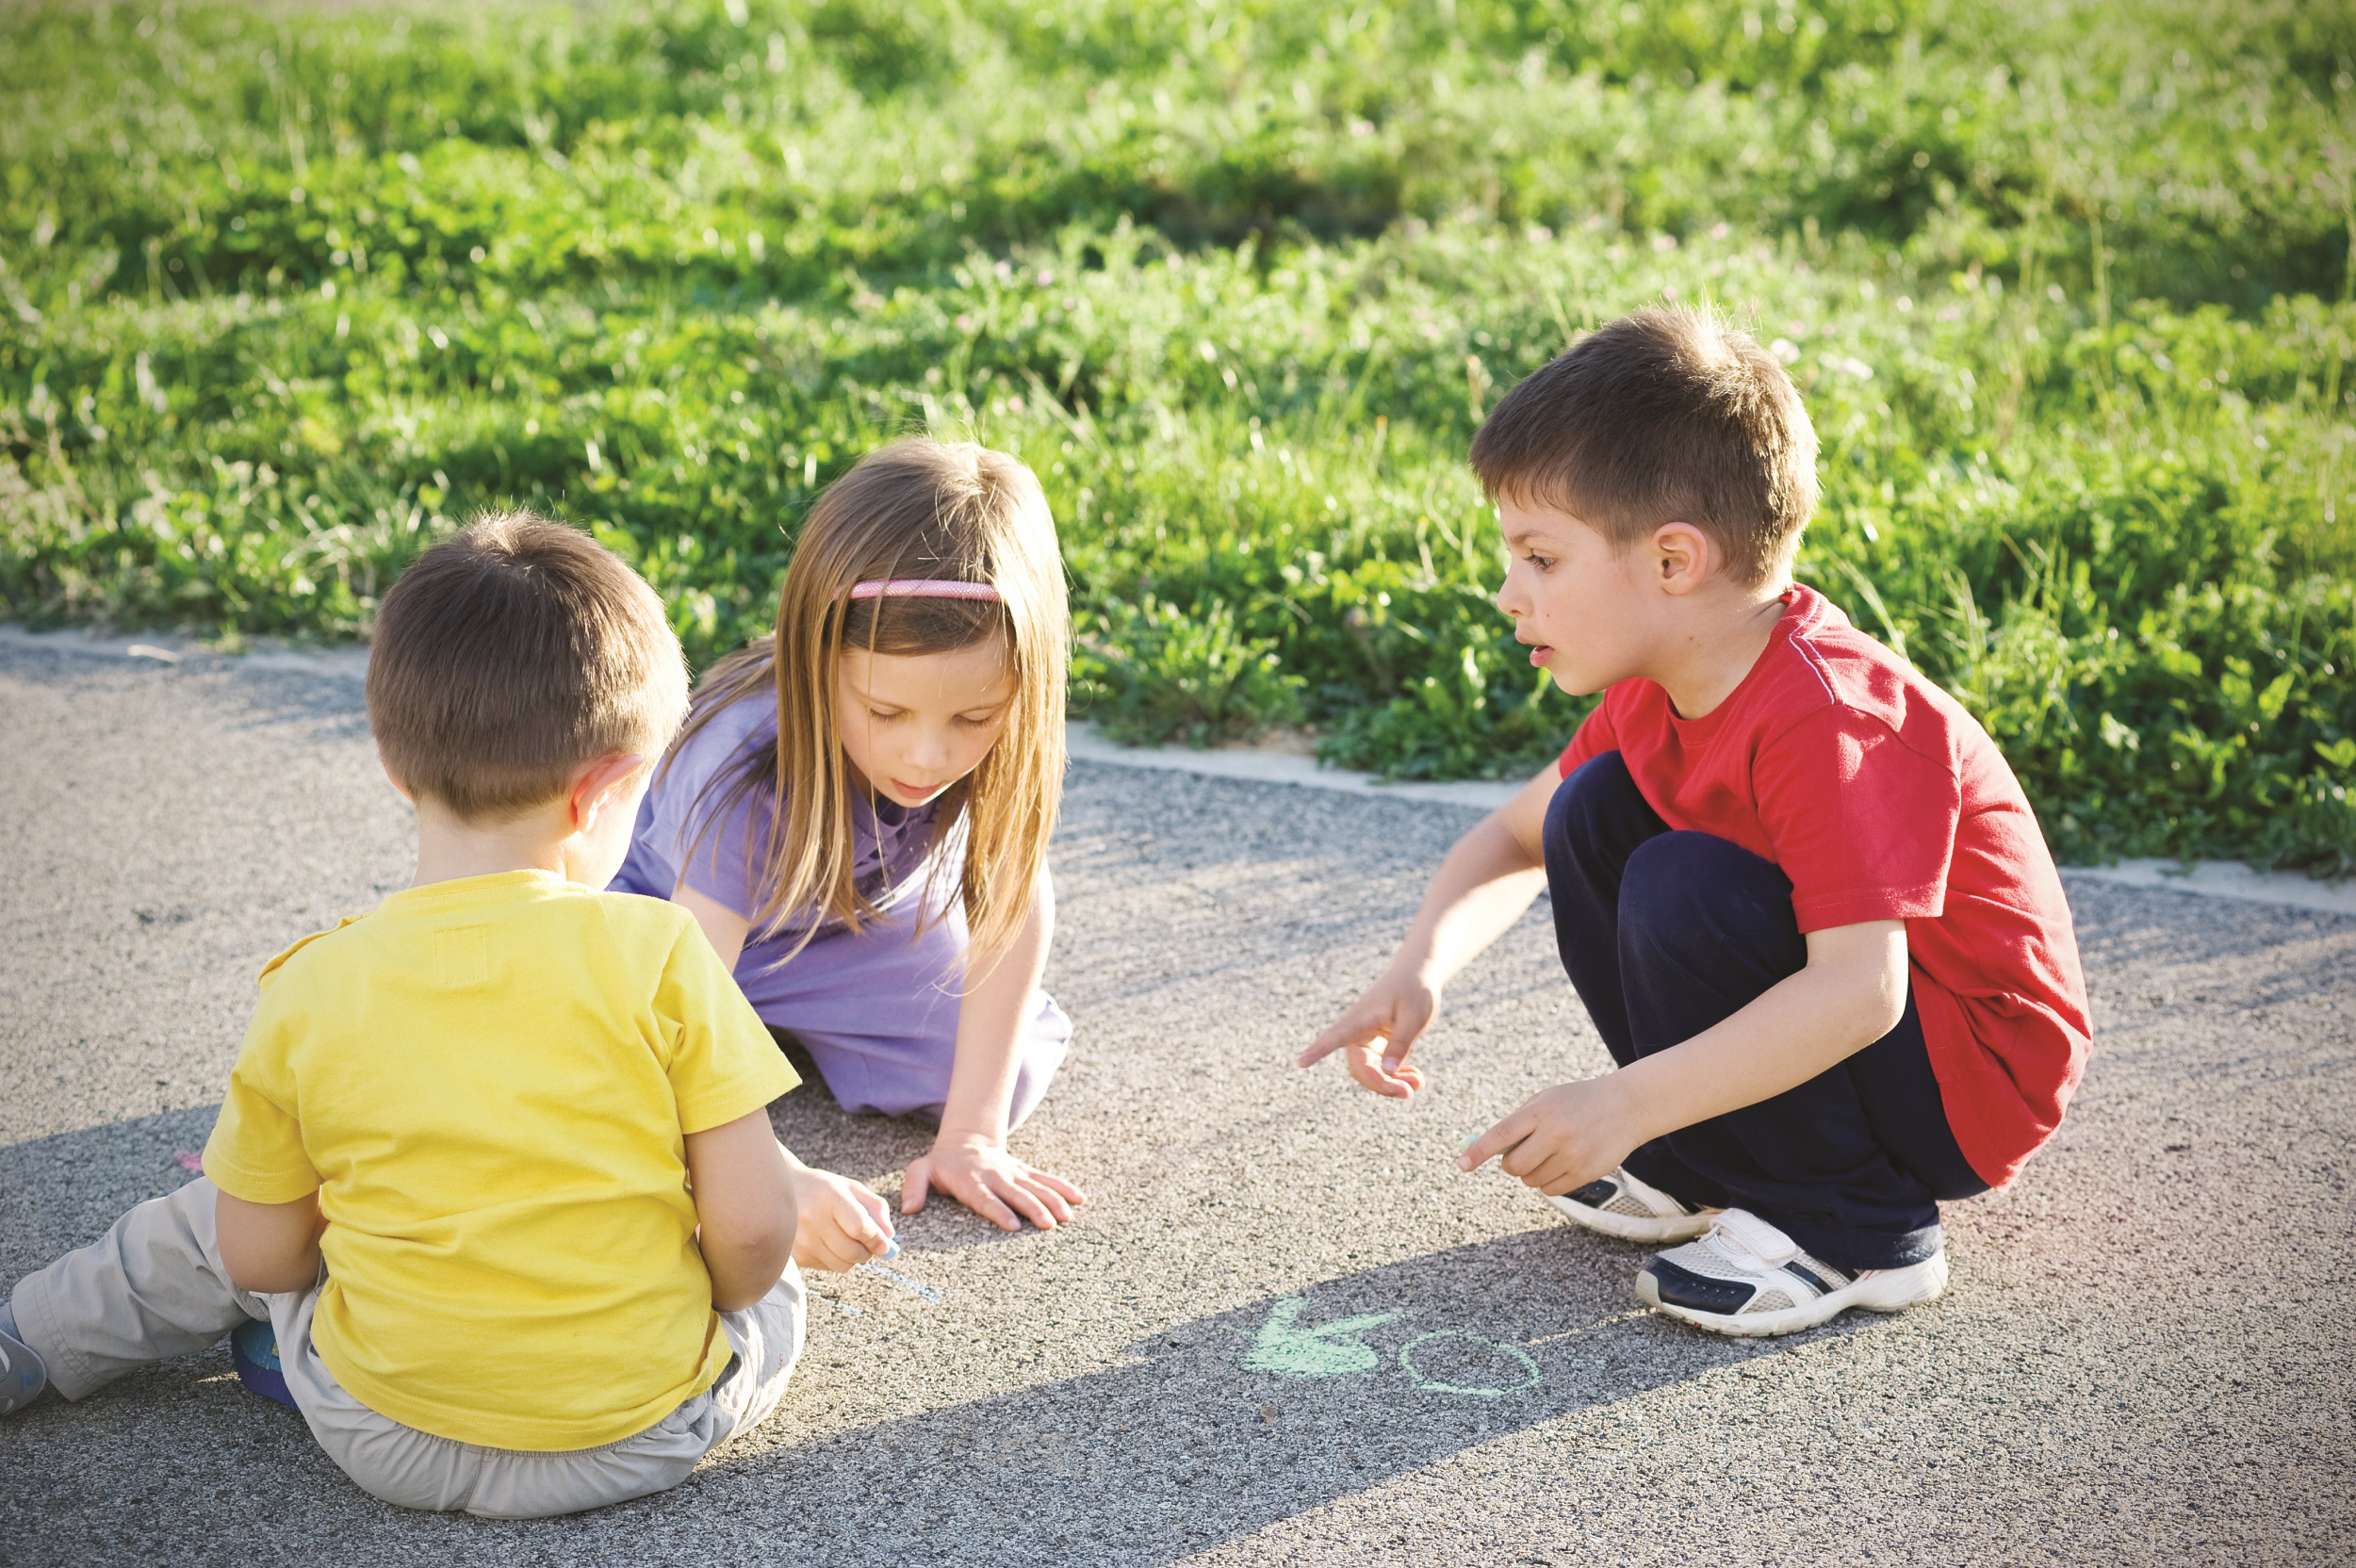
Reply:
x=287 y=292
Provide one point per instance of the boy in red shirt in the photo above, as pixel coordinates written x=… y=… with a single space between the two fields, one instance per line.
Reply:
x=1800 y=892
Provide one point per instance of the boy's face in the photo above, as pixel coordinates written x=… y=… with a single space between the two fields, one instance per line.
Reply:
x=1588 y=611
x=914 y=724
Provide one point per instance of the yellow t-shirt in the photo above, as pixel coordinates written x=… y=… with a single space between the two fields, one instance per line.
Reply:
x=489 y=1083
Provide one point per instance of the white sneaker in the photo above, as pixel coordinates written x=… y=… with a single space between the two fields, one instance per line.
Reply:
x=1747 y=1278
x=1622 y=1205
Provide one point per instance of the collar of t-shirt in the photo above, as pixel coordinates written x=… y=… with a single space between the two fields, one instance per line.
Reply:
x=1801 y=612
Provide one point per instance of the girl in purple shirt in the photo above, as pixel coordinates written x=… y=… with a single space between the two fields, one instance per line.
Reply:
x=858 y=808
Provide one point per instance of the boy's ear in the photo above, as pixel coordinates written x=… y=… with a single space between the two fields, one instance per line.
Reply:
x=394 y=779
x=598 y=782
x=1683 y=558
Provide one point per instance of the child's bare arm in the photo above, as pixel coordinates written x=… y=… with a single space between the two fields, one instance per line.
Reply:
x=269 y=1247
x=1852 y=993
x=744 y=1207
x=969 y=1159
x=843 y=1223
x=1479 y=890
x=723 y=927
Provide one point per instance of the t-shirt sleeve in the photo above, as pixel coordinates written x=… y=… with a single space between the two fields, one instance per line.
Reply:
x=1594 y=736
x=255 y=1152
x=709 y=833
x=723 y=1063
x=1862 y=823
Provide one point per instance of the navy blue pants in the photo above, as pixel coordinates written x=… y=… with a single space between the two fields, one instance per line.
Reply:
x=1666 y=933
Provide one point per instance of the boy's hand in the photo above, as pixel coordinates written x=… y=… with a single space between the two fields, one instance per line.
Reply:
x=979 y=1173
x=1562 y=1137
x=1374 y=1034
x=842 y=1224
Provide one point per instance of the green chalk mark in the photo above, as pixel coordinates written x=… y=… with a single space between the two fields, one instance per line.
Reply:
x=1430 y=1385
x=1324 y=1352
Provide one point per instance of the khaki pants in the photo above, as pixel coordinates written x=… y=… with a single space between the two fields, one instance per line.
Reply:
x=154 y=1286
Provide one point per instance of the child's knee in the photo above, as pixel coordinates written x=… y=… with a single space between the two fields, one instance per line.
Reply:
x=1687 y=889
x=1588 y=804
x=1044 y=1046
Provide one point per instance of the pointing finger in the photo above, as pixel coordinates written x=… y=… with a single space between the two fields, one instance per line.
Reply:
x=1348 y=1032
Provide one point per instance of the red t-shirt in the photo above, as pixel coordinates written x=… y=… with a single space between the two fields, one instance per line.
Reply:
x=1882 y=799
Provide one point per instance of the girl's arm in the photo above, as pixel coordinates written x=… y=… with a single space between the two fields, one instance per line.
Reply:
x=969 y=1158
x=723 y=927
x=1479 y=890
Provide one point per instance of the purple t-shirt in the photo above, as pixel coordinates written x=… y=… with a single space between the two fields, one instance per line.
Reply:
x=876 y=1012
x=684 y=837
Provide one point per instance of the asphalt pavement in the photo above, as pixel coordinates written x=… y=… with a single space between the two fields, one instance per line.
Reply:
x=2142 y=1356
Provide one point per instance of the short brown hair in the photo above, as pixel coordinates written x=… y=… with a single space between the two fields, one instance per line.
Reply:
x=510 y=655
x=1666 y=415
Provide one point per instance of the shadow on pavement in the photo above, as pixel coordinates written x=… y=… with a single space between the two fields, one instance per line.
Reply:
x=1218 y=1427
x=61 y=1192
x=1229 y=1424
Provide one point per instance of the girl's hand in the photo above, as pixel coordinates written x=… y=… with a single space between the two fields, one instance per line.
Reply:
x=1562 y=1139
x=1374 y=1034
x=843 y=1223
x=979 y=1173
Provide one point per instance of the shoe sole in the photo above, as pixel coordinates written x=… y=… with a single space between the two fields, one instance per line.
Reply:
x=1894 y=1294
x=1629 y=1227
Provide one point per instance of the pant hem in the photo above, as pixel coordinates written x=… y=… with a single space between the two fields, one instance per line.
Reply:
x=1860 y=1249
x=70 y=1378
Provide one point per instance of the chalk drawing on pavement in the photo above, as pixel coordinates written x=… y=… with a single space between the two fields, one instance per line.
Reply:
x=1335 y=1349
x=930 y=1292
x=1328 y=1350
x=1528 y=1376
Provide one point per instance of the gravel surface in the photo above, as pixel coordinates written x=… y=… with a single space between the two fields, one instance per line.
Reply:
x=2140 y=1359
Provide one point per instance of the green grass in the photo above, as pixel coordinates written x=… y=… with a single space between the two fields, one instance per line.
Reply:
x=283 y=293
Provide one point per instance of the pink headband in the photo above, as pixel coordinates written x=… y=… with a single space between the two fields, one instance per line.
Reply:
x=925 y=588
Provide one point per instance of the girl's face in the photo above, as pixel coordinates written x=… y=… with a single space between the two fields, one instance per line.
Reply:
x=914 y=724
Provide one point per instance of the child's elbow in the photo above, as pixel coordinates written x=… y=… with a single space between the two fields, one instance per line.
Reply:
x=747 y=1260
x=1883 y=1006
x=747 y=1269
x=259 y=1269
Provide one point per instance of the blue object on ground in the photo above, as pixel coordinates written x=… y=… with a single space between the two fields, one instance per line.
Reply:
x=253 y=1351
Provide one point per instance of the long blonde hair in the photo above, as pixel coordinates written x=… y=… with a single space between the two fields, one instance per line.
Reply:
x=917 y=508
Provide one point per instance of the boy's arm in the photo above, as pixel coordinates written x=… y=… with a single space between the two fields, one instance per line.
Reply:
x=1479 y=890
x=744 y=1206
x=969 y=1159
x=269 y=1247
x=842 y=1223
x=1851 y=992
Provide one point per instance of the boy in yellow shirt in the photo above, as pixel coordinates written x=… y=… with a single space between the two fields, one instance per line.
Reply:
x=495 y=1161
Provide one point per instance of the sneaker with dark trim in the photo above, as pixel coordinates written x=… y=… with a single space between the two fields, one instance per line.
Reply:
x=1632 y=1209
x=23 y=1372
x=1747 y=1278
